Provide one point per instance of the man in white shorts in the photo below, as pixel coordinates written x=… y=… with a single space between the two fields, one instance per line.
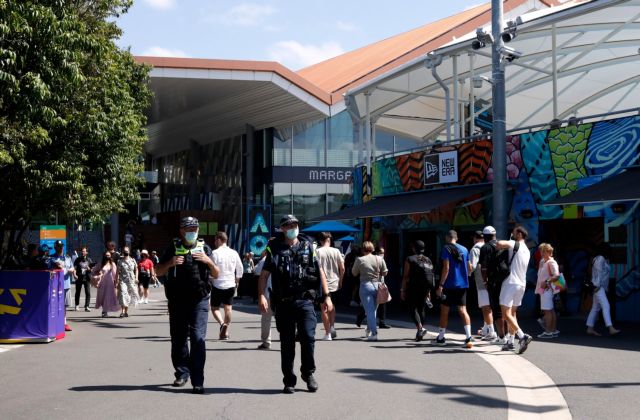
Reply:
x=224 y=286
x=488 y=333
x=514 y=286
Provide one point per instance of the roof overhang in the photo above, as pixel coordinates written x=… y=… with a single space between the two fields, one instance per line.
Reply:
x=596 y=55
x=408 y=203
x=209 y=100
x=624 y=186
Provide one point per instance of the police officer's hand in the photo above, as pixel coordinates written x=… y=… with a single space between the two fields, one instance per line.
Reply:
x=177 y=260
x=263 y=304
x=202 y=257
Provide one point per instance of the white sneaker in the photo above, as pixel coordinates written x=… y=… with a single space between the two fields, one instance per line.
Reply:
x=145 y=301
x=483 y=331
x=327 y=337
x=490 y=337
x=77 y=308
x=499 y=341
x=373 y=337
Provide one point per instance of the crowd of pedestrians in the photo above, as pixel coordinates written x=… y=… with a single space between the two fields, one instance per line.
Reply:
x=297 y=277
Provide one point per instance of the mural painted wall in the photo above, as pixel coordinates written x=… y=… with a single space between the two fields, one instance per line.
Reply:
x=541 y=166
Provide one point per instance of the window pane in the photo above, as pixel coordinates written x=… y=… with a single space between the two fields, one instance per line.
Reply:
x=384 y=142
x=342 y=149
x=308 y=201
x=308 y=144
x=282 y=147
x=339 y=196
x=281 y=201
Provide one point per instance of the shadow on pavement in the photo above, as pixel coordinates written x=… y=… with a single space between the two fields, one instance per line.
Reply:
x=459 y=393
x=170 y=389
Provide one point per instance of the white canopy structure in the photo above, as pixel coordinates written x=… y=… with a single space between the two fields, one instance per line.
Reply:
x=578 y=59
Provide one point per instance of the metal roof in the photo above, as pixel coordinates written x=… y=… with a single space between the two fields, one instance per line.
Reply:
x=209 y=100
x=596 y=61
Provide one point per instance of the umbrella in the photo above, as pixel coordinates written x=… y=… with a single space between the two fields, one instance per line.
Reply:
x=347 y=238
x=330 y=226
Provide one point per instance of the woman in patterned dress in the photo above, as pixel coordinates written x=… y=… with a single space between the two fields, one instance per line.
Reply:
x=127 y=279
x=104 y=278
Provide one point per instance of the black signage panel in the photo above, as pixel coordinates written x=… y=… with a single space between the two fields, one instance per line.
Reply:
x=312 y=175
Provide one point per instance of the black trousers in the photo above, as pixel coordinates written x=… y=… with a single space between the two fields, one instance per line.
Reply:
x=291 y=316
x=188 y=326
x=87 y=292
x=416 y=305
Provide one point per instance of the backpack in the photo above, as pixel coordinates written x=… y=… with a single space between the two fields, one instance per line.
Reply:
x=421 y=272
x=500 y=265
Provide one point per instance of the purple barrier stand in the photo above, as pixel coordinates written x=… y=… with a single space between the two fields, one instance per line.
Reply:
x=31 y=306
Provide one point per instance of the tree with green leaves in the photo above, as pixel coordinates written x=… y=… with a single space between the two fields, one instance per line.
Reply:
x=72 y=112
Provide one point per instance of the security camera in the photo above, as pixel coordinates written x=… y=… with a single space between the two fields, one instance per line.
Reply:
x=482 y=39
x=509 y=53
x=476 y=45
x=511 y=32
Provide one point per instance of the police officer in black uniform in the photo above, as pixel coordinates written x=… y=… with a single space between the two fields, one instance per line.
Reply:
x=187 y=264
x=297 y=282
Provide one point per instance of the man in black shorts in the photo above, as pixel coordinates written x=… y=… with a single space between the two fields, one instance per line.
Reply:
x=454 y=282
x=488 y=257
x=225 y=283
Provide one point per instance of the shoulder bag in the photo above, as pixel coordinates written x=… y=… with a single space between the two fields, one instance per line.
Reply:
x=383 y=295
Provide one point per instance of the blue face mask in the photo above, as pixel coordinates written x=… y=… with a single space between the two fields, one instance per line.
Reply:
x=292 y=233
x=190 y=237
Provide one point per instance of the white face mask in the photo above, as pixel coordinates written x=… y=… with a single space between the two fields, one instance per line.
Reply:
x=190 y=237
x=292 y=233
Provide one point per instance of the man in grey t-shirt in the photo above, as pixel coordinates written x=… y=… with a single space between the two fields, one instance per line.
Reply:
x=332 y=264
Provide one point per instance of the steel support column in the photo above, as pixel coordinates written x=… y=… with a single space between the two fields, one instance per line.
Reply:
x=499 y=137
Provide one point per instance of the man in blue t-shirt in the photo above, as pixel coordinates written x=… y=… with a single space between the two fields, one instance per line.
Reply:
x=454 y=282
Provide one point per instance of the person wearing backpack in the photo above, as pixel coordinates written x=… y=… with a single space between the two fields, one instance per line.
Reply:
x=487 y=332
x=417 y=283
x=513 y=287
x=492 y=278
x=454 y=283
x=600 y=281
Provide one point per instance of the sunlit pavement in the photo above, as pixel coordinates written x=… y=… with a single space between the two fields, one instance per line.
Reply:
x=120 y=368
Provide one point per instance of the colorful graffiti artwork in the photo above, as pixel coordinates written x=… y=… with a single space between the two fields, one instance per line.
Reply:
x=541 y=166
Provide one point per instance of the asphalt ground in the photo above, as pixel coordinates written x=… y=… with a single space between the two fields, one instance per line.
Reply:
x=116 y=368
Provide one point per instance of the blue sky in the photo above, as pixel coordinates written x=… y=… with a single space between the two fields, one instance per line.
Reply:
x=294 y=33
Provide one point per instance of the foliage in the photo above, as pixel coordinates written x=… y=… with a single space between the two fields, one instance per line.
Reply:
x=71 y=111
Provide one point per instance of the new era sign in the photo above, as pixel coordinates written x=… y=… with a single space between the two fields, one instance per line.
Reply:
x=441 y=168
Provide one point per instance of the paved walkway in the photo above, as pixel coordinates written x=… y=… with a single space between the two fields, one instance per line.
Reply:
x=120 y=368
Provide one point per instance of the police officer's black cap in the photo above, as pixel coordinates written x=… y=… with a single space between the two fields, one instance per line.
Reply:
x=418 y=245
x=288 y=219
x=57 y=243
x=188 y=222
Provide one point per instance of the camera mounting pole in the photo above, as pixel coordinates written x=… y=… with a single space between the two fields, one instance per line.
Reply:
x=499 y=137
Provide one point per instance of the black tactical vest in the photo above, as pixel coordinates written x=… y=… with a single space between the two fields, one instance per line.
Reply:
x=189 y=280
x=295 y=270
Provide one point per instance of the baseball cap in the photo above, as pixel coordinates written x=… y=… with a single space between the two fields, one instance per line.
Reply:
x=419 y=245
x=287 y=219
x=488 y=230
x=189 y=221
x=43 y=248
x=58 y=243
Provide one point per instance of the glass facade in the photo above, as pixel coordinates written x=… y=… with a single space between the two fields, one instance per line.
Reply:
x=389 y=143
x=327 y=143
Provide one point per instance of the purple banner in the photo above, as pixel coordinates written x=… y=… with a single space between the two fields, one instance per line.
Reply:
x=31 y=305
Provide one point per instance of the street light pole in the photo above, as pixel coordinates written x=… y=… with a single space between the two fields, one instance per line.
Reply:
x=499 y=137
